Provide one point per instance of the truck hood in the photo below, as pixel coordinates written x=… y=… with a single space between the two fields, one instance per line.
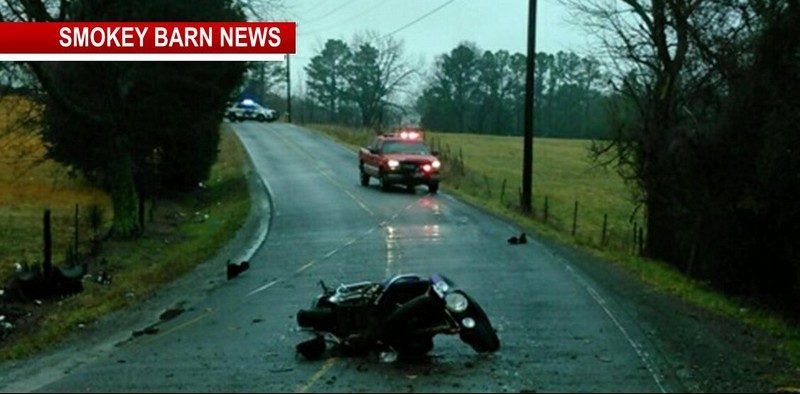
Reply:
x=416 y=159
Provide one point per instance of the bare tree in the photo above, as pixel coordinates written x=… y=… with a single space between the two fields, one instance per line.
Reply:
x=392 y=73
x=647 y=43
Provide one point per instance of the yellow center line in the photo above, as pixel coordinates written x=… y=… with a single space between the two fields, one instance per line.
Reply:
x=179 y=327
x=319 y=374
x=336 y=183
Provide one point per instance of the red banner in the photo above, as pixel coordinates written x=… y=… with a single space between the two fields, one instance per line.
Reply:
x=147 y=40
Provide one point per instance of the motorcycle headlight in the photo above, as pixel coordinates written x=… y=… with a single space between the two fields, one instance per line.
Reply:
x=456 y=302
x=393 y=164
x=468 y=322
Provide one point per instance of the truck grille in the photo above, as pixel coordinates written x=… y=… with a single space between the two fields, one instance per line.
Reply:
x=408 y=168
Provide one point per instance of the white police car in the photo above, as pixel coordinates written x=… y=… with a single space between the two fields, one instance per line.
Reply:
x=250 y=110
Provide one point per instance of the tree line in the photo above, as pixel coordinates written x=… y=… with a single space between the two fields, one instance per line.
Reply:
x=356 y=83
x=706 y=131
x=365 y=83
x=476 y=91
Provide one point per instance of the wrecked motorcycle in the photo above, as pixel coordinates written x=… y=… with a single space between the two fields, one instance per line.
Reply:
x=399 y=316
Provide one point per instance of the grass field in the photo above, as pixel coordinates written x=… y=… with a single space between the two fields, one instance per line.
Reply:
x=184 y=232
x=563 y=174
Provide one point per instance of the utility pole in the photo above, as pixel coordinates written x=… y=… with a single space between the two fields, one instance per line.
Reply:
x=262 y=83
x=527 y=156
x=288 y=90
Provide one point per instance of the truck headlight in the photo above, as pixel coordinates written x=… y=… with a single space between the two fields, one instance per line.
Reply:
x=456 y=302
x=436 y=164
x=393 y=164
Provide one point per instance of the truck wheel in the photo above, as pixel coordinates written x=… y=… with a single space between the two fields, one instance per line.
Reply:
x=364 y=178
x=433 y=187
x=384 y=184
x=261 y=118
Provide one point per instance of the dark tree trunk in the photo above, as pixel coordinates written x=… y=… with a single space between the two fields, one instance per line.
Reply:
x=660 y=240
x=123 y=196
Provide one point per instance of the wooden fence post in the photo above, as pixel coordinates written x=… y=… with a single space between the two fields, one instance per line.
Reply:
x=575 y=218
x=47 y=265
x=641 y=241
x=546 y=208
x=77 y=211
x=461 y=160
x=605 y=229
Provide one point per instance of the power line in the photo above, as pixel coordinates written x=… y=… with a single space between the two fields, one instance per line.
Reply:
x=409 y=24
x=315 y=6
x=348 y=20
x=331 y=12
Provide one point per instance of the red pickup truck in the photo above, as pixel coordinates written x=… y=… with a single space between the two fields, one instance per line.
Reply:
x=400 y=158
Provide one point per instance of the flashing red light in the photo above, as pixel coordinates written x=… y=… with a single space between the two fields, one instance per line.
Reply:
x=410 y=135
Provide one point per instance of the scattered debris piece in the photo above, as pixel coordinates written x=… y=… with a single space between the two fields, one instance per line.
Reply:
x=522 y=239
x=103 y=278
x=235 y=269
x=170 y=314
x=147 y=331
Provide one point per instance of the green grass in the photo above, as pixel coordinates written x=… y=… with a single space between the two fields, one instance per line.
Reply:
x=564 y=173
x=179 y=238
x=29 y=184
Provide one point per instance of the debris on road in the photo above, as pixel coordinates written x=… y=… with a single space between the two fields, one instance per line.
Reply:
x=235 y=269
x=522 y=239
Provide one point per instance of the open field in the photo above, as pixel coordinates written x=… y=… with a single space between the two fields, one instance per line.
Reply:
x=183 y=232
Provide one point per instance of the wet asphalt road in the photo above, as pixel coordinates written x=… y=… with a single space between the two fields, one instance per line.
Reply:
x=559 y=330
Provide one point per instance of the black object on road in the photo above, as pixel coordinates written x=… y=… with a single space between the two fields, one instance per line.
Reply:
x=235 y=269
x=522 y=239
x=400 y=315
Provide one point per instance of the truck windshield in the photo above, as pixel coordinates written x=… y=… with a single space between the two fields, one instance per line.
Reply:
x=411 y=148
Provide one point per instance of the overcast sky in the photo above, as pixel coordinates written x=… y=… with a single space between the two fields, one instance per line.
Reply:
x=491 y=24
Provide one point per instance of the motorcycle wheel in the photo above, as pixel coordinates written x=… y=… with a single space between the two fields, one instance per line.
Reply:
x=482 y=338
x=320 y=319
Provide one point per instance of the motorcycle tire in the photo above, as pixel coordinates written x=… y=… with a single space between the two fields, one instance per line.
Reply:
x=482 y=338
x=320 y=319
